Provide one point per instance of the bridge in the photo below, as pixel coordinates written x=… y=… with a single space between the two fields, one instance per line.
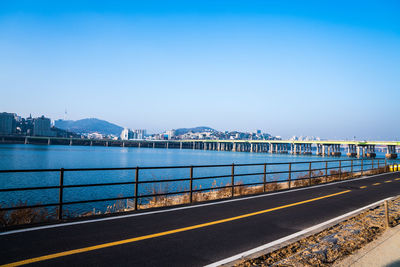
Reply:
x=320 y=148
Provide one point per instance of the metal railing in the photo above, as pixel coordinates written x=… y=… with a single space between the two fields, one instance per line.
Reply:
x=325 y=173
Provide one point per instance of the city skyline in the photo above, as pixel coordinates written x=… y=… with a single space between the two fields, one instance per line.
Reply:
x=199 y=132
x=314 y=69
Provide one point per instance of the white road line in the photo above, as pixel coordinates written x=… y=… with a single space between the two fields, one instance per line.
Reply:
x=248 y=253
x=179 y=208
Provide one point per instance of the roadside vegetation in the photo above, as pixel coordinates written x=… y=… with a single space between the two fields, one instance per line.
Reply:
x=25 y=216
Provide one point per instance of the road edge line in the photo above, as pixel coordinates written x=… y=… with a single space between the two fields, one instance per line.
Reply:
x=284 y=241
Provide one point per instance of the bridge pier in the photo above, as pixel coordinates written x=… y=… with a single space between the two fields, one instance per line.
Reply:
x=371 y=151
x=360 y=151
x=351 y=150
x=324 y=150
x=319 y=150
x=307 y=149
x=296 y=149
x=336 y=151
x=48 y=141
x=391 y=152
x=284 y=148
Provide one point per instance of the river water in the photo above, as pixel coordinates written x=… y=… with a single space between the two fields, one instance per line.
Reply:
x=53 y=157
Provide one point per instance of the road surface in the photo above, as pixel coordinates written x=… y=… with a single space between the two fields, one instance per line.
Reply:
x=194 y=235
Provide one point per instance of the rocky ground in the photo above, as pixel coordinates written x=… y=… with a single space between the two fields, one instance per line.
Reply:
x=329 y=246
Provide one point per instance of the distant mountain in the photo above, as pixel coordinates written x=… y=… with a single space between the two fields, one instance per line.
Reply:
x=194 y=130
x=86 y=126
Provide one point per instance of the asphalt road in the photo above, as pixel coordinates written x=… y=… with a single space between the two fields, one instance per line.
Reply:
x=194 y=235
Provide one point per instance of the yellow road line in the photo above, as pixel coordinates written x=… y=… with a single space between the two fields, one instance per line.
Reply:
x=135 y=239
x=362 y=187
x=388 y=181
x=397 y=179
x=376 y=183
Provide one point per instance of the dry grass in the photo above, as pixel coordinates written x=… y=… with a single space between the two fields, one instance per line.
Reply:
x=318 y=177
x=240 y=189
x=25 y=216
x=222 y=193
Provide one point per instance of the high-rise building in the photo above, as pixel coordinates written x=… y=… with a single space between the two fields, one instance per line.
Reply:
x=140 y=133
x=126 y=134
x=7 y=123
x=42 y=126
x=170 y=134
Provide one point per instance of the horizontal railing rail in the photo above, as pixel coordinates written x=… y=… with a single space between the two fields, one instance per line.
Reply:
x=324 y=170
x=188 y=166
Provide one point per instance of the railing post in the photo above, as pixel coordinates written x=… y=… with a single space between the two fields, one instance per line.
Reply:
x=372 y=167
x=351 y=167
x=233 y=179
x=340 y=170
x=385 y=165
x=362 y=166
x=136 y=187
x=387 y=219
x=60 y=195
x=326 y=171
x=290 y=175
x=191 y=184
x=309 y=173
x=265 y=177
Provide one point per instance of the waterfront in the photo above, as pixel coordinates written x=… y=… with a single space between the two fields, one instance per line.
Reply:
x=55 y=157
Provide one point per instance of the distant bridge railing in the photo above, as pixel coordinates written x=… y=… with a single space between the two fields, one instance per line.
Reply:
x=262 y=177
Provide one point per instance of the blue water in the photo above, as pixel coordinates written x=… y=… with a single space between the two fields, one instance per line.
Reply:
x=54 y=157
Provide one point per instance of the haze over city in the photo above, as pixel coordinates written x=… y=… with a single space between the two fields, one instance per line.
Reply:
x=287 y=68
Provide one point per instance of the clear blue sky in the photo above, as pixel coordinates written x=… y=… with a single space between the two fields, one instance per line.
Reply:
x=322 y=68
